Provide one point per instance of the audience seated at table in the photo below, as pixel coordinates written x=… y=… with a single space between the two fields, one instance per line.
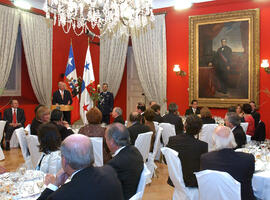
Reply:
x=173 y=118
x=157 y=117
x=149 y=115
x=140 y=108
x=254 y=113
x=43 y=115
x=189 y=149
x=136 y=127
x=239 y=165
x=87 y=182
x=117 y=115
x=239 y=111
x=206 y=116
x=248 y=118
x=232 y=120
x=94 y=129
x=50 y=140
x=193 y=110
x=62 y=126
x=127 y=160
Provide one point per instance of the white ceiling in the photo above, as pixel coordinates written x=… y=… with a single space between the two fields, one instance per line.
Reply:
x=156 y=3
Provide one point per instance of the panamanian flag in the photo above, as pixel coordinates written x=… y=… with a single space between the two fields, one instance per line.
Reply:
x=86 y=102
x=72 y=83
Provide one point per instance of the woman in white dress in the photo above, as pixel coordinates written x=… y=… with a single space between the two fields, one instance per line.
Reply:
x=50 y=141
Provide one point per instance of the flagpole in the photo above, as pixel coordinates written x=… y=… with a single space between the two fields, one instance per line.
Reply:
x=88 y=41
x=70 y=41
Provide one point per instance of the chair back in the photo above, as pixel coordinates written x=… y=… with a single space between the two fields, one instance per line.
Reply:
x=207 y=133
x=33 y=143
x=217 y=185
x=14 y=143
x=2 y=126
x=143 y=143
x=176 y=176
x=28 y=129
x=244 y=126
x=22 y=142
x=168 y=131
x=141 y=186
x=156 y=126
x=97 y=143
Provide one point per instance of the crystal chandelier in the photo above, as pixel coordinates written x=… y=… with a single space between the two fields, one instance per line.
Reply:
x=107 y=15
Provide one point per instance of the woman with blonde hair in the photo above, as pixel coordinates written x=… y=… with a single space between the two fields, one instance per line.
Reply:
x=42 y=116
x=206 y=116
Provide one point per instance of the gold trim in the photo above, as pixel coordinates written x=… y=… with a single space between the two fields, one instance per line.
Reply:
x=253 y=17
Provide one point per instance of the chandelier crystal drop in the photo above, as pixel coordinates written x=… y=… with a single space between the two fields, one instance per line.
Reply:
x=106 y=15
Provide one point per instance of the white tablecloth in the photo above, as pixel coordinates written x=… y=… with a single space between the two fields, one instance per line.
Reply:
x=261 y=185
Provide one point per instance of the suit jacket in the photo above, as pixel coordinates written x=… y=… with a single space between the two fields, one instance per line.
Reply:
x=57 y=99
x=256 y=117
x=190 y=111
x=239 y=165
x=259 y=134
x=34 y=126
x=175 y=120
x=90 y=183
x=8 y=116
x=105 y=105
x=119 y=119
x=239 y=136
x=64 y=132
x=128 y=164
x=158 y=118
x=190 y=151
x=208 y=120
x=135 y=129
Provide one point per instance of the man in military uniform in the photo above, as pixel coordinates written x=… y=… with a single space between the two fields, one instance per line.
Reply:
x=105 y=103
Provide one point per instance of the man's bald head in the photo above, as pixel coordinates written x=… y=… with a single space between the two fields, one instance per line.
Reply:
x=223 y=138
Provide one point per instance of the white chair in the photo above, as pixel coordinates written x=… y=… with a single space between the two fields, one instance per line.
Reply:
x=14 y=143
x=156 y=126
x=143 y=143
x=206 y=134
x=181 y=192
x=2 y=126
x=141 y=186
x=33 y=143
x=97 y=143
x=28 y=129
x=217 y=185
x=168 y=131
x=244 y=126
x=151 y=158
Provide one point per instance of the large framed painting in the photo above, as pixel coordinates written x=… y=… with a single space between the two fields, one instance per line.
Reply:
x=224 y=58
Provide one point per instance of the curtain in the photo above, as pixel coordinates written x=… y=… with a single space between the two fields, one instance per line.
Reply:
x=113 y=52
x=9 y=24
x=37 y=41
x=149 y=46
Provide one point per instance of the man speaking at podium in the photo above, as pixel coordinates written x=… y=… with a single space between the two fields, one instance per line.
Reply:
x=62 y=97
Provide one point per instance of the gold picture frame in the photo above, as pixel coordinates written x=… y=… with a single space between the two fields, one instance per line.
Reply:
x=221 y=76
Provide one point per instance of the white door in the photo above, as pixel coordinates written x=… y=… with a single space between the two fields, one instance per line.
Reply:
x=134 y=88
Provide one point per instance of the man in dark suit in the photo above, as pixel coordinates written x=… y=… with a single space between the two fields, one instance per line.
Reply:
x=193 y=110
x=117 y=115
x=62 y=97
x=87 y=182
x=239 y=165
x=105 y=105
x=136 y=127
x=157 y=117
x=173 y=118
x=256 y=116
x=14 y=118
x=127 y=160
x=189 y=149
x=232 y=120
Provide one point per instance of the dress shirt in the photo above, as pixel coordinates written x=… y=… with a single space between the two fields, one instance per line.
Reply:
x=194 y=110
x=233 y=128
x=118 y=150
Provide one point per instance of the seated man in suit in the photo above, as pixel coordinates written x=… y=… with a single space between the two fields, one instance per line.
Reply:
x=254 y=113
x=15 y=119
x=189 y=149
x=239 y=165
x=117 y=115
x=232 y=120
x=136 y=127
x=157 y=117
x=193 y=110
x=87 y=182
x=62 y=97
x=173 y=118
x=127 y=160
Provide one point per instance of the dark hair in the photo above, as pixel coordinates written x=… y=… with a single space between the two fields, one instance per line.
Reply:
x=247 y=108
x=119 y=133
x=155 y=107
x=194 y=100
x=49 y=138
x=193 y=124
x=56 y=115
x=141 y=106
x=105 y=84
x=149 y=114
x=252 y=102
x=173 y=107
x=134 y=117
x=205 y=112
x=233 y=118
x=11 y=101
x=94 y=116
x=37 y=107
x=232 y=109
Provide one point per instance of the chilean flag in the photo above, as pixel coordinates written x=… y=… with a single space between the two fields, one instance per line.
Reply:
x=86 y=102
x=71 y=81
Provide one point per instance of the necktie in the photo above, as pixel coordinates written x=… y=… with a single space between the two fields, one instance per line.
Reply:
x=14 y=120
x=62 y=94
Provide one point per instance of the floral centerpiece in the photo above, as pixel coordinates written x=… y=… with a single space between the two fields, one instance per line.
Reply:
x=94 y=93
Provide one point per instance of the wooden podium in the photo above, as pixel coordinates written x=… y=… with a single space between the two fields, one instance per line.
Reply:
x=62 y=107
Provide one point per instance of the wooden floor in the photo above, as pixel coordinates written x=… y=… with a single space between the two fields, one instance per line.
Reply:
x=157 y=190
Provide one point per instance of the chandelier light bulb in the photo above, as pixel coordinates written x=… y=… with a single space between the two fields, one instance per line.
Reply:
x=265 y=63
x=182 y=4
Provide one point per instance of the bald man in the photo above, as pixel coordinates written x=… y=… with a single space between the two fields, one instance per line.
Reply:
x=239 y=165
x=87 y=182
x=62 y=97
